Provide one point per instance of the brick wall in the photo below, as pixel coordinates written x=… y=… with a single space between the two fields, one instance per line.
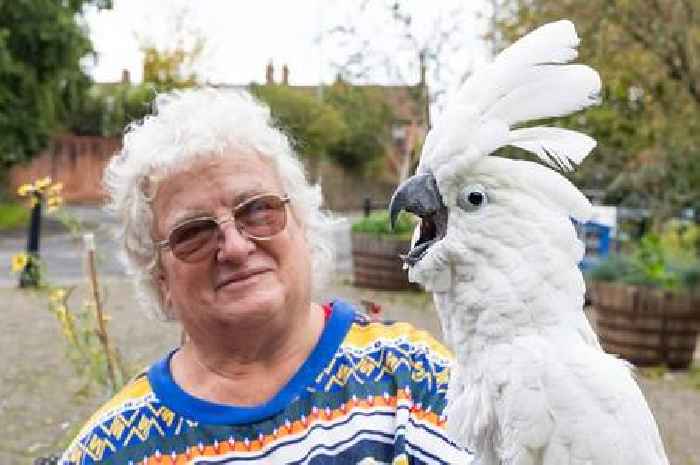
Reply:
x=76 y=161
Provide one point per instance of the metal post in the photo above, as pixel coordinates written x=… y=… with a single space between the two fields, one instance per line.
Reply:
x=30 y=274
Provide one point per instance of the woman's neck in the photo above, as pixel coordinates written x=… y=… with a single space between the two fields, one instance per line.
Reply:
x=250 y=373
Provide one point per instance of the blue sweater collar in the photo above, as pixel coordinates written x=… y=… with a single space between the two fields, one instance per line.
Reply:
x=194 y=408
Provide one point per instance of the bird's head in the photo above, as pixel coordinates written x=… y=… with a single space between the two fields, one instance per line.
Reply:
x=477 y=208
x=484 y=212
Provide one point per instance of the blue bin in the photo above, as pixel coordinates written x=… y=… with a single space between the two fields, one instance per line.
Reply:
x=596 y=237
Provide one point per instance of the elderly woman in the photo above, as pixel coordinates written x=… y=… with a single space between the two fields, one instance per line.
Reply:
x=222 y=233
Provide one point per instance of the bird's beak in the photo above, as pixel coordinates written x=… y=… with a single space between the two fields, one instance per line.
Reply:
x=420 y=195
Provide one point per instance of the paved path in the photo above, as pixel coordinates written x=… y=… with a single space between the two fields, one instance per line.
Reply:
x=42 y=404
x=62 y=253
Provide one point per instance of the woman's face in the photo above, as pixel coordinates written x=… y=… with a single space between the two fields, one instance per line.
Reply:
x=244 y=283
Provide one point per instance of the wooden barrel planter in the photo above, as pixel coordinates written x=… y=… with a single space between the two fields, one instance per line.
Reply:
x=646 y=326
x=376 y=263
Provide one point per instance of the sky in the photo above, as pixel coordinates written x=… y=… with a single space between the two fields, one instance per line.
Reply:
x=242 y=36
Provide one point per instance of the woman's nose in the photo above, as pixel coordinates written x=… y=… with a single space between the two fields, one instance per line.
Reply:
x=233 y=246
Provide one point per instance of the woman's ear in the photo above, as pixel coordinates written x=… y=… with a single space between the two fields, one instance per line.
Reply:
x=164 y=289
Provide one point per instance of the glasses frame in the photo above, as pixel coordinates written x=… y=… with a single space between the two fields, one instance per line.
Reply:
x=231 y=218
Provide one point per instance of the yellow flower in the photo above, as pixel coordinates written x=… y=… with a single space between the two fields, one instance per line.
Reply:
x=42 y=183
x=61 y=312
x=67 y=324
x=19 y=261
x=53 y=203
x=25 y=189
x=56 y=187
x=57 y=295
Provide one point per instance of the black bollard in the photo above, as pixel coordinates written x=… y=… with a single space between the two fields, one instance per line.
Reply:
x=30 y=274
x=367 y=206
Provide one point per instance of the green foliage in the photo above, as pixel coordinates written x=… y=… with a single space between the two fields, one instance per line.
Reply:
x=613 y=268
x=173 y=66
x=351 y=126
x=84 y=348
x=168 y=69
x=313 y=125
x=30 y=269
x=656 y=372
x=661 y=372
x=694 y=377
x=368 y=119
x=681 y=243
x=13 y=216
x=41 y=78
x=647 y=126
x=681 y=240
x=106 y=109
x=378 y=223
x=656 y=261
x=88 y=346
x=653 y=262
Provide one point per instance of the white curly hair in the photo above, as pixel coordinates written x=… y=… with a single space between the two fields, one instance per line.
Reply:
x=186 y=126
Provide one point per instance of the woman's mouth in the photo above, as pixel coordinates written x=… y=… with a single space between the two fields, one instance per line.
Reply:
x=240 y=278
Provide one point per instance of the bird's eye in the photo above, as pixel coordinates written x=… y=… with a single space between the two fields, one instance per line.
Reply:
x=471 y=198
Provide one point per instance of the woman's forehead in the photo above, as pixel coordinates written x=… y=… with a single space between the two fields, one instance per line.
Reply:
x=205 y=185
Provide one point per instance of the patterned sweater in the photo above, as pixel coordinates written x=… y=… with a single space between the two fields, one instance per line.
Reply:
x=369 y=392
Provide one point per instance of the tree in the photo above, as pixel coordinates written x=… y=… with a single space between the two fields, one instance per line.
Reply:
x=312 y=125
x=647 y=127
x=106 y=109
x=368 y=118
x=174 y=66
x=350 y=126
x=386 y=41
x=42 y=43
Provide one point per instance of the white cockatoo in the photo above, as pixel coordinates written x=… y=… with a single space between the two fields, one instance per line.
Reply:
x=497 y=247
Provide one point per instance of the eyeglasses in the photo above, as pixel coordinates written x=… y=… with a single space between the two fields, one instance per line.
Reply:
x=258 y=218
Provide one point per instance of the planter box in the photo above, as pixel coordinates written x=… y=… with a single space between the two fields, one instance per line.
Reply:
x=646 y=326
x=376 y=263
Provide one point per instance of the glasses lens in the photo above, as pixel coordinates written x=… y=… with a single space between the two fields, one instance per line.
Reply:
x=262 y=217
x=193 y=240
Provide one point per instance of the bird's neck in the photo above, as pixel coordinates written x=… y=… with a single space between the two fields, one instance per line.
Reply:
x=487 y=305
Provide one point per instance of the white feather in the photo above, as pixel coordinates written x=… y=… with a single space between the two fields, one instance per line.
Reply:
x=551 y=43
x=557 y=92
x=555 y=146
x=526 y=81
x=554 y=42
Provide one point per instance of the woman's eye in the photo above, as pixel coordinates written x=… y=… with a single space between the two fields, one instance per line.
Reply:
x=472 y=198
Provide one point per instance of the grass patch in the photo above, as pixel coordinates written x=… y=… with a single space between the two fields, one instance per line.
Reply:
x=655 y=372
x=13 y=215
x=378 y=223
x=694 y=377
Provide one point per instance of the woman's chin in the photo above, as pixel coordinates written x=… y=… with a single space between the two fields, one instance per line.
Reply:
x=256 y=299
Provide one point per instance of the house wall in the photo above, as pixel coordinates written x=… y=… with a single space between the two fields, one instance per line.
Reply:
x=343 y=191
